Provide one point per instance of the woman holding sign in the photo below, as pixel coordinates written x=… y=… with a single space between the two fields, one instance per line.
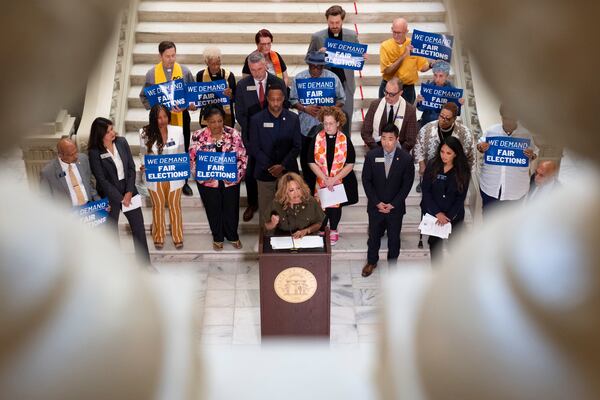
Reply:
x=331 y=157
x=445 y=185
x=113 y=167
x=218 y=175
x=158 y=137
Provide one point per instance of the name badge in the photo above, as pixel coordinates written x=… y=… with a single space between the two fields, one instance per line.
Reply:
x=251 y=88
x=268 y=124
x=379 y=159
x=442 y=177
x=399 y=116
x=104 y=155
x=171 y=143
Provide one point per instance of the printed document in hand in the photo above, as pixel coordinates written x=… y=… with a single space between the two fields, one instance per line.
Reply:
x=429 y=227
x=136 y=202
x=285 y=242
x=329 y=198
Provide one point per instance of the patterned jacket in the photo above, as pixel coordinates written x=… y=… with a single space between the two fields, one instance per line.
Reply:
x=429 y=141
x=201 y=140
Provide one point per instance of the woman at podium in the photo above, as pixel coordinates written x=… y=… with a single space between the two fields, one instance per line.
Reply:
x=294 y=210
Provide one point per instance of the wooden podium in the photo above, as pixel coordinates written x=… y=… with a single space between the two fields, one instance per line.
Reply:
x=295 y=290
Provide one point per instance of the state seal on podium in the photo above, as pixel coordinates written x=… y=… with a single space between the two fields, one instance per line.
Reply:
x=295 y=285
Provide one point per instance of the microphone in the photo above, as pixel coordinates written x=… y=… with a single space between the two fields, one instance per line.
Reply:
x=290 y=230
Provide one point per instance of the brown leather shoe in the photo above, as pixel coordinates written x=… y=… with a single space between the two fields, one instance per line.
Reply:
x=249 y=213
x=368 y=269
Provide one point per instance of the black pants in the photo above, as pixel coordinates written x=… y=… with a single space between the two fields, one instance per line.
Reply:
x=408 y=93
x=307 y=174
x=251 y=184
x=378 y=224
x=489 y=203
x=435 y=243
x=333 y=216
x=136 y=223
x=222 y=205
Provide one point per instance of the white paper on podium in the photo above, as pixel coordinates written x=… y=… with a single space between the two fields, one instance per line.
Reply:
x=285 y=242
x=329 y=198
x=136 y=202
x=428 y=226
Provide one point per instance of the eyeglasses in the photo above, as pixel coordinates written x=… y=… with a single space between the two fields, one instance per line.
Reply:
x=444 y=118
x=385 y=92
x=399 y=32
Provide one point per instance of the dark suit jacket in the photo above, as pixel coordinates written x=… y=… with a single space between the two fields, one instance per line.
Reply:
x=270 y=146
x=54 y=181
x=317 y=41
x=395 y=188
x=408 y=133
x=247 y=104
x=441 y=194
x=105 y=171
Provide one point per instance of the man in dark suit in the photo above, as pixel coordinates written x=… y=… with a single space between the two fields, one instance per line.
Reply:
x=387 y=176
x=392 y=109
x=68 y=177
x=335 y=18
x=250 y=98
x=275 y=144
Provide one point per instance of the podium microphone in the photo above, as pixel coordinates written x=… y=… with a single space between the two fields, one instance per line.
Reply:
x=294 y=249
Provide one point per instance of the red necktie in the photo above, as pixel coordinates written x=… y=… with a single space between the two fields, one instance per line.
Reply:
x=261 y=94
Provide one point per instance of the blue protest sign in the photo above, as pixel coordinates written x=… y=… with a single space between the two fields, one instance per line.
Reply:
x=169 y=94
x=203 y=94
x=507 y=151
x=346 y=55
x=316 y=91
x=94 y=213
x=434 y=97
x=216 y=165
x=167 y=167
x=432 y=45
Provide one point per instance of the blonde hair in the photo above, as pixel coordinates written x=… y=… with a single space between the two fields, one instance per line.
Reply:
x=211 y=52
x=335 y=112
x=281 y=195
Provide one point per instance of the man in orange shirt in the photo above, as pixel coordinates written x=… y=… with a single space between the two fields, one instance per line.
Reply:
x=395 y=60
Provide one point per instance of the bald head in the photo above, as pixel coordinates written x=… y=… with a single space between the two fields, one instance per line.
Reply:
x=399 y=30
x=67 y=150
x=545 y=172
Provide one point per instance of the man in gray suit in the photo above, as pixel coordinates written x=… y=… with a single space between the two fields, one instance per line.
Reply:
x=68 y=177
x=335 y=17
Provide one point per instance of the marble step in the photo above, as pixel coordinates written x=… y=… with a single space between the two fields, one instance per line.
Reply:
x=362 y=98
x=218 y=32
x=354 y=219
x=309 y=12
x=233 y=53
x=369 y=76
x=413 y=199
x=198 y=247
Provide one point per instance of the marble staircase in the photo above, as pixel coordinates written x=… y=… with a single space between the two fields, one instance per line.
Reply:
x=232 y=26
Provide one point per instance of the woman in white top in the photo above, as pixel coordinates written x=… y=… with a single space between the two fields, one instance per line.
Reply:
x=158 y=137
x=113 y=167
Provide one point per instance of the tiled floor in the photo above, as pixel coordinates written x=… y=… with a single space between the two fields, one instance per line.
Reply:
x=229 y=304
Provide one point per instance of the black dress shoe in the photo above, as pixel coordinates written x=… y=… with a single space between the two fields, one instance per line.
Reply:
x=187 y=190
x=368 y=269
x=249 y=213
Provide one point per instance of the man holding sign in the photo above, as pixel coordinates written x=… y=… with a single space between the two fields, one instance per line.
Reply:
x=169 y=70
x=508 y=148
x=335 y=17
x=395 y=60
x=312 y=89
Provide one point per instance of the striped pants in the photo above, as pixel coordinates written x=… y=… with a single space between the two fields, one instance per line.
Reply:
x=160 y=198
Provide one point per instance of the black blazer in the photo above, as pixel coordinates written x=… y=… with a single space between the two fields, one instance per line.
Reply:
x=441 y=194
x=270 y=146
x=247 y=104
x=105 y=171
x=395 y=188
